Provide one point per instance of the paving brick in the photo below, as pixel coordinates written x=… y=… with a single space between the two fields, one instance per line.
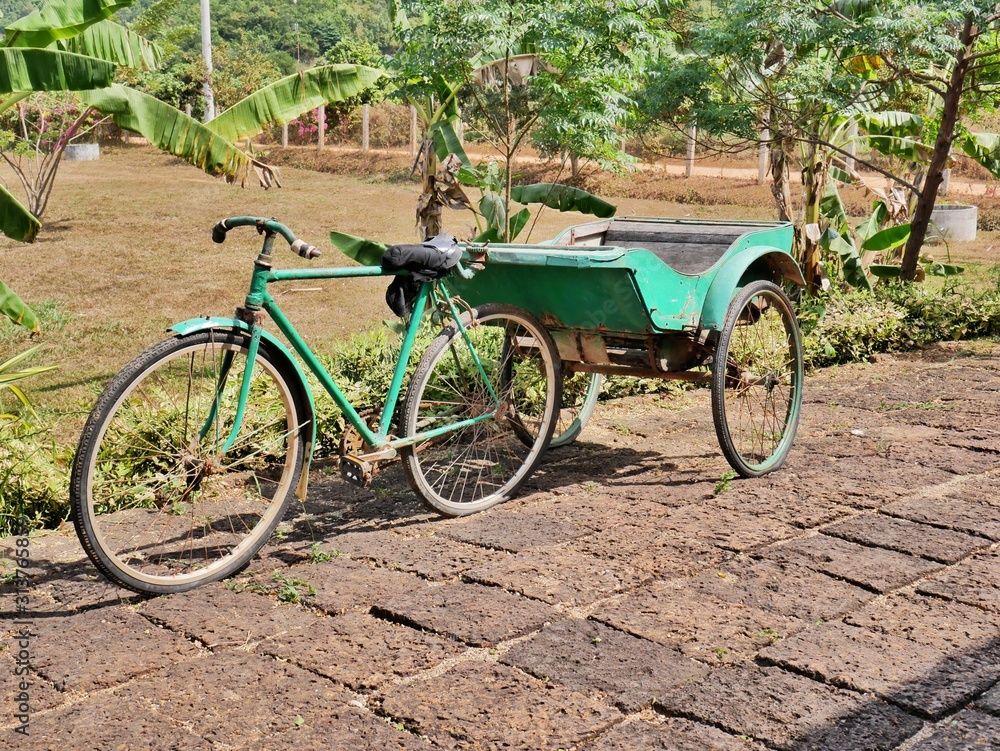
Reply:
x=343 y=584
x=792 y=591
x=430 y=556
x=42 y=693
x=589 y=657
x=221 y=617
x=787 y=711
x=874 y=568
x=514 y=531
x=949 y=626
x=708 y=631
x=926 y=680
x=235 y=698
x=650 y=549
x=488 y=706
x=79 y=586
x=965 y=731
x=968 y=506
x=975 y=582
x=941 y=545
x=471 y=613
x=601 y=508
x=361 y=651
x=783 y=496
x=730 y=529
x=559 y=576
x=103 y=647
x=990 y=701
x=112 y=724
x=671 y=734
x=726 y=613
x=950 y=458
x=352 y=729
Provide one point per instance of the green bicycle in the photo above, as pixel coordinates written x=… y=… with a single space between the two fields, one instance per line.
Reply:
x=194 y=450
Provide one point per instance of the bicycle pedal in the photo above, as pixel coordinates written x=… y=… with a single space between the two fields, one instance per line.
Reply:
x=356 y=471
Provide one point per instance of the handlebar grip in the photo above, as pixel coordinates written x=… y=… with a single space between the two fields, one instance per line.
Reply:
x=304 y=249
x=219 y=232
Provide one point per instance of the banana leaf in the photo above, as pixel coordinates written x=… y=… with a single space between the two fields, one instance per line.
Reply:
x=365 y=252
x=289 y=97
x=850 y=261
x=563 y=198
x=51 y=70
x=173 y=131
x=885 y=270
x=870 y=226
x=518 y=222
x=14 y=308
x=492 y=207
x=984 y=148
x=887 y=239
x=60 y=19
x=17 y=222
x=890 y=123
x=110 y=41
x=492 y=235
x=934 y=268
x=832 y=207
x=446 y=141
x=905 y=148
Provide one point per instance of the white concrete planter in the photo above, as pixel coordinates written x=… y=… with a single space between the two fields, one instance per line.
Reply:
x=954 y=222
x=82 y=152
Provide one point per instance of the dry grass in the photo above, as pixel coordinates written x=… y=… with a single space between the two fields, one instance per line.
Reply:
x=126 y=250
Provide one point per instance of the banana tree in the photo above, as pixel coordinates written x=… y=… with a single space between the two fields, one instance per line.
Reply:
x=70 y=45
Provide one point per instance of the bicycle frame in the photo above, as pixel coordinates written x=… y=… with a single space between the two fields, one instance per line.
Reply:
x=259 y=299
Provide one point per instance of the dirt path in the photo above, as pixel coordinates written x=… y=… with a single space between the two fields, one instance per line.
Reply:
x=630 y=599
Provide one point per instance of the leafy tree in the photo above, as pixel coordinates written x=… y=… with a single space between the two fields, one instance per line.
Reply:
x=950 y=49
x=558 y=71
x=795 y=69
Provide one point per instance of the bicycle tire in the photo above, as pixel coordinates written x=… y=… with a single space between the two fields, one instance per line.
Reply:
x=577 y=408
x=156 y=505
x=447 y=388
x=757 y=376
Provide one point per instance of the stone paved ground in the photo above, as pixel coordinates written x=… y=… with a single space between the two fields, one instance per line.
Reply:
x=628 y=600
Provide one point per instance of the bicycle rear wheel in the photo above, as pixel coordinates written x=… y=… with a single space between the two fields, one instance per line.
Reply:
x=514 y=401
x=158 y=505
x=757 y=380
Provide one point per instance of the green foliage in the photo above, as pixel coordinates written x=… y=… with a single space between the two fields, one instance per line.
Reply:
x=853 y=326
x=13 y=307
x=175 y=132
x=288 y=97
x=9 y=377
x=34 y=478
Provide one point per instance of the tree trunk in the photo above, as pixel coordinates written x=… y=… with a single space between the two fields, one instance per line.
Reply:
x=939 y=158
x=780 y=187
x=814 y=183
x=428 y=206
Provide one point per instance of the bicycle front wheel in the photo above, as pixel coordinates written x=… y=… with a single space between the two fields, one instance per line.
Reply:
x=757 y=376
x=158 y=504
x=505 y=387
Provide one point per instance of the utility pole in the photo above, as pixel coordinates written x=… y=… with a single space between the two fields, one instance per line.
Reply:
x=206 y=53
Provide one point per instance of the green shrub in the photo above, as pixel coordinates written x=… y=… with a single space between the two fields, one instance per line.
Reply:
x=851 y=327
x=34 y=478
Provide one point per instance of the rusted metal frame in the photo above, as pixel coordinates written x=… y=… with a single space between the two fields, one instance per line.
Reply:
x=683 y=375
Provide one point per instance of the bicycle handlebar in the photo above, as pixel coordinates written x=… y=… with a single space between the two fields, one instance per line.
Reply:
x=300 y=247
